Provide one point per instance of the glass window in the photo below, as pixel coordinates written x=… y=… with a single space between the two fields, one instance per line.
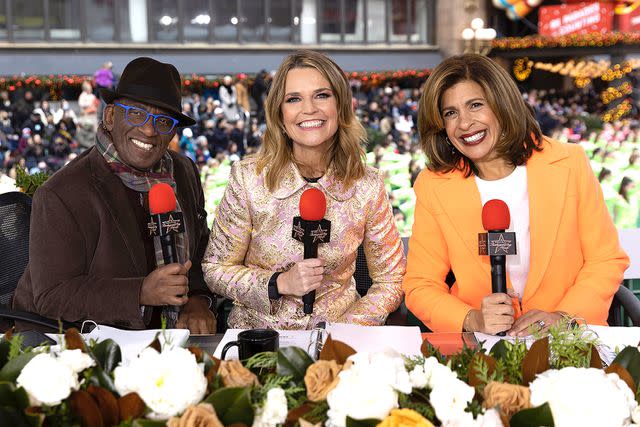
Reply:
x=307 y=22
x=28 y=20
x=3 y=21
x=421 y=19
x=354 y=20
x=253 y=16
x=281 y=26
x=376 y=20
x=100 y=20
x=164 y=20
x=225 y=19
x=197 y=17
x=331 y=19
x=64 y=19
x=402 y=19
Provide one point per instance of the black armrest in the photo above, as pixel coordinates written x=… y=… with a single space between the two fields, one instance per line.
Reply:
x=36 y=319
x=629 y=301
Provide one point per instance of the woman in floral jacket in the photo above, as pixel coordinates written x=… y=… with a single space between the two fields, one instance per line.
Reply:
x=313 y=140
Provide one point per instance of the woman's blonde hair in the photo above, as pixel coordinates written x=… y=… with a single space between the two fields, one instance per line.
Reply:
x=520 y=131
x=346 y=153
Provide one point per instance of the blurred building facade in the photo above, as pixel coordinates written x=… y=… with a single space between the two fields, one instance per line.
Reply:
x=225 y=36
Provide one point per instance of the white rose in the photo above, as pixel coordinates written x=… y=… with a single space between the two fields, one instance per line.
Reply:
x=167 y=382
x=418 y=377
x=47 y=380
x=274 y=411
x=358 y=397
x=450 y=398
x=635 y=415
x=437 y=373
x=491 y=418
x=76 y=360
x=584 y=396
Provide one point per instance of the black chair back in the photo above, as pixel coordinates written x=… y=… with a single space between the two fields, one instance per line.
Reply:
x=15 y=213
x=625 y=308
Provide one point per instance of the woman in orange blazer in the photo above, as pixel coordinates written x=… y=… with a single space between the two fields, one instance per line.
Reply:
x=481 y=139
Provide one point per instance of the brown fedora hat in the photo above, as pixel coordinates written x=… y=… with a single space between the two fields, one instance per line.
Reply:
x=152 y=82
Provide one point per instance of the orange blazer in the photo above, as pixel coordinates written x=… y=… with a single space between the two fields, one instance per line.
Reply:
x=577 y=263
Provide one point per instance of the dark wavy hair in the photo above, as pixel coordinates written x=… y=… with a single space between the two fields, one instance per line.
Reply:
x=520 y=135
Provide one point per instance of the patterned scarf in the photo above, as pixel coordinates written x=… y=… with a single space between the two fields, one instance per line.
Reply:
x=142 y=182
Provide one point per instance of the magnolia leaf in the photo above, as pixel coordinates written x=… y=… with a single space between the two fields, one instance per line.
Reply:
x=336 y=350
x=155 y=344
x=474 y=375
x=237 y=425
x=102 y=379
x=130 y=407
x=107 y=354
x=293 y=361
x=12 y=368
x=12 y=396
x=232 y=405
x=499 y=350
x=595 y=362
x=624 y=375
x=74 y=341
x=107 y=404
x=629 y=359
x=83 y=405
x=533 y=417
x=211 y=364
x=295 y=414
x=535 y=361
x=368 y=422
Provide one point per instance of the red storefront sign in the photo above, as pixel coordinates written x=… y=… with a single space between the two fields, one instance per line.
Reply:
x=578 y=18
x=628 y=17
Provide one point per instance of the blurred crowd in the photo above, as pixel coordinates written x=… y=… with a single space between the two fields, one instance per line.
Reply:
x=40 y=135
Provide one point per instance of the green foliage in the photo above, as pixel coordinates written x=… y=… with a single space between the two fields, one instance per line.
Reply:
x=482 y=373
x=30 y=183
x=374 y=137
x=12 y=368
x=629 y=358
x=460 y=362
x=264 y=362
x=107 y=354
x=417 y=401
x=233 y=405
x=533 y=417
x=411 y=362
x=593 y=122
x=318 y=413
x=294 y=392
x=369 y=422
x=570 y=345
x=15 y=346
x=509 y=362
x=293 y=361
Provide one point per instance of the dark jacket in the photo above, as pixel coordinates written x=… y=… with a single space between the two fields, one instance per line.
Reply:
x=86 y=257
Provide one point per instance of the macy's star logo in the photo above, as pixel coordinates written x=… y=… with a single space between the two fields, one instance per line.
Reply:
x=500 y=245
x=319 y=233
x=171 y=225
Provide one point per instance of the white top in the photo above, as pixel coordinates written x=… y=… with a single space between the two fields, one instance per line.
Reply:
x=512 y=189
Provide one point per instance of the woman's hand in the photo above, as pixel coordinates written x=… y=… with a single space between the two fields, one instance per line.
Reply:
x=495 y=315
x=304 y=277
x=541 y=320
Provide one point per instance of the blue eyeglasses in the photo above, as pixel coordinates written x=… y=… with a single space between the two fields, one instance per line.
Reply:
x=137 y=116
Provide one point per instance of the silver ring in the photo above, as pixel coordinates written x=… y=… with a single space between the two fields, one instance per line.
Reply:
x=541 y=323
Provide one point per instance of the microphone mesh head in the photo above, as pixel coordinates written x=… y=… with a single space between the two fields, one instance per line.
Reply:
x=162 y=199
x=313 y=205
x=495 y=215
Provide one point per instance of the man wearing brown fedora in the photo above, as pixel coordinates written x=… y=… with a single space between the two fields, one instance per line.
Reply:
x=91 y=256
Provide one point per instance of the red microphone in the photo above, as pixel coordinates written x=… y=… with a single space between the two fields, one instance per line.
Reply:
x=164 y=222
x=496 y=242
x=495 y=215
x=311 y=229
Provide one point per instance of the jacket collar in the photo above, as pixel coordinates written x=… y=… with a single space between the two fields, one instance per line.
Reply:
x=292 y=181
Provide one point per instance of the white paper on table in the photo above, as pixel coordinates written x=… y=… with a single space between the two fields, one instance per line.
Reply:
x=133 y=342
x=286 y=339
x=405 y=340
